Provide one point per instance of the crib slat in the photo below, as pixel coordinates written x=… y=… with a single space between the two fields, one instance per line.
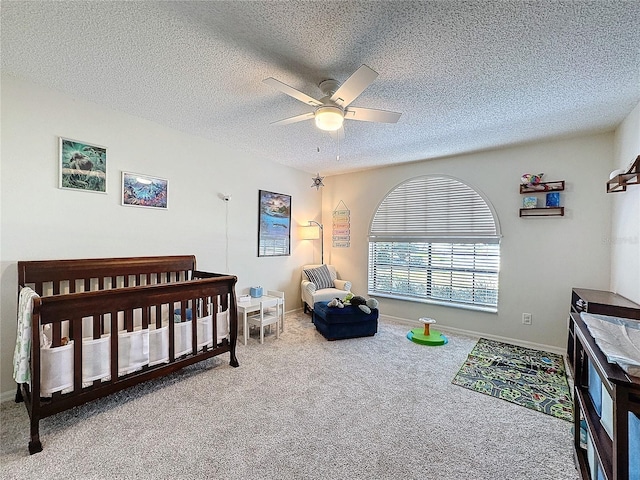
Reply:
x=158 y=316
x=98 y=328
x=114 y=345
x=194 y=325
x=56 y=334
x=76 y=322
x=128 y=320
x=172 y=344
x=145 y=317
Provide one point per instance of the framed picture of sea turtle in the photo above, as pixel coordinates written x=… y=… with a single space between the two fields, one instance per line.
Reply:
x=144 y=191
x=274 y=224
x=83 y=166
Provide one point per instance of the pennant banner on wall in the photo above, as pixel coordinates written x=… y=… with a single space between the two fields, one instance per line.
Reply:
x=341 y=234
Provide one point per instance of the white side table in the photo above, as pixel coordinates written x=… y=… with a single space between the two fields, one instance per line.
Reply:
x=253 y=305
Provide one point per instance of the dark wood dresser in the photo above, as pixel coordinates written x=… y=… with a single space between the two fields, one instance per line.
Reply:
x=606 y=399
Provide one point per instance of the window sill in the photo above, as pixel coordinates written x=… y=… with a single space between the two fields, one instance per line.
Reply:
x=463 y=306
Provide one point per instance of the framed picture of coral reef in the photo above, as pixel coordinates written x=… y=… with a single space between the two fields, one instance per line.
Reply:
x=144 y=191
x=274 y=224
x=82 y=166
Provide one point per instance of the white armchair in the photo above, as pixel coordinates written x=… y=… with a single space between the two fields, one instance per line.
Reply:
x=332 y=286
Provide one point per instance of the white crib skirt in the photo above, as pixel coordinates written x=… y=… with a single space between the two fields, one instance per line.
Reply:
x=56 y=369
x=183 y=342
x=96 y=359
x=133 y=351
x=222 y=320
x=205 y=331
x=158 y=345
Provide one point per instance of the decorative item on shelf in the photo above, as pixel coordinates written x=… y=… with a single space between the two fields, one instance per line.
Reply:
x=621 y=178
x=531 y=179
x=530 y=202
x=552 y=199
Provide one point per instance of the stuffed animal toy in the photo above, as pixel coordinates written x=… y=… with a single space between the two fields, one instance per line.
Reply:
x=364 y=304
x=336 y=302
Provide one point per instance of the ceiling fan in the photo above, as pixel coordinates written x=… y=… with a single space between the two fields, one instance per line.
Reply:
x=332 y=109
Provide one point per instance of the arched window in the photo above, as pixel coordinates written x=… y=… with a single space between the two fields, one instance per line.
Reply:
x=435 y=239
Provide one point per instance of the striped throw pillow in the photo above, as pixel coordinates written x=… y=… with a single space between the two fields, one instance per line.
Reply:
x=320 y=277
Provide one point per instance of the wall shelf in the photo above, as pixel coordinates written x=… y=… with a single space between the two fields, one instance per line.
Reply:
x=542 y=212
x=620 y=182
x=542 y=187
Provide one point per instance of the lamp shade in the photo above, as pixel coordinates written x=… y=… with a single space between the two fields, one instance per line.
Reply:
x=310 y=232
x=329 y=118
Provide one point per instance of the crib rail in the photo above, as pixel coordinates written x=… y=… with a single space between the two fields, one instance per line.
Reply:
x=53 y=277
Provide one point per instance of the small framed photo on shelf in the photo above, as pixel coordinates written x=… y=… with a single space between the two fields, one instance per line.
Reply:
x=529 y=202
x=83 y=166
x=144 y=191
x=552 y=199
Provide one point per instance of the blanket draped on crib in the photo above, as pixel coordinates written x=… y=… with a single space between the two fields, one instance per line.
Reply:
x=22 y=352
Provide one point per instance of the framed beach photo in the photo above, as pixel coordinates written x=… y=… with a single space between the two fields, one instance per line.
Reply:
x=274 y=224
x=144 y=191
x=83 y=166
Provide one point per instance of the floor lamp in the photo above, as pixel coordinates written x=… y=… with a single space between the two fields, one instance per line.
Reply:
x=313 y=231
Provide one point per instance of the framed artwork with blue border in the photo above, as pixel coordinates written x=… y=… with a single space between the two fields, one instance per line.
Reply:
x=144 y=191
x=274 y=224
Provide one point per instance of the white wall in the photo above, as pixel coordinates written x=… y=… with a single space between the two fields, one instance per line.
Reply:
x=625 y=230
x=41 y=221
x=541 y=258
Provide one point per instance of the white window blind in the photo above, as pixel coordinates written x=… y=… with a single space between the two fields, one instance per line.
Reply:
x=434 y=238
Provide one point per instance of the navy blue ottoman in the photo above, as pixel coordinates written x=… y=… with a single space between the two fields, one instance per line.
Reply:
x=349 y=322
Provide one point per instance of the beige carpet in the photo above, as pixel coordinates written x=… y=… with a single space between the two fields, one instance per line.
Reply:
x=299 y=408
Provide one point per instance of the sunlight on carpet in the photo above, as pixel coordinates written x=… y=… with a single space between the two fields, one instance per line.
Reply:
x=530 y=378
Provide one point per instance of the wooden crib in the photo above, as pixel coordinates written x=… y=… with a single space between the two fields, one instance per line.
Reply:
x=167 y=315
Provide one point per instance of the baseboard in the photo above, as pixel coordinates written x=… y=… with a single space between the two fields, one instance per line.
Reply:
x=471 y=333
x=9 y=395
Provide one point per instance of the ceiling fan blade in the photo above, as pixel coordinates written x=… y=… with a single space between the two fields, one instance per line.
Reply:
x=297 y=118
x=292 y=92
x=371 y=115
x=354 y=86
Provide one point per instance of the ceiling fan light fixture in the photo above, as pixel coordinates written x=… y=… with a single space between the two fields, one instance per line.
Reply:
x=329 y=118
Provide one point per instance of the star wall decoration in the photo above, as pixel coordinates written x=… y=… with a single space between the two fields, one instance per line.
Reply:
x=317 y=181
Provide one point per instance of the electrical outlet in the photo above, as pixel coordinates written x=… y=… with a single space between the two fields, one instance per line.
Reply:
x=526 y=319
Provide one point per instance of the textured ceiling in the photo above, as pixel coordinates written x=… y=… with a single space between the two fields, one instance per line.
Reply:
x=466 y=75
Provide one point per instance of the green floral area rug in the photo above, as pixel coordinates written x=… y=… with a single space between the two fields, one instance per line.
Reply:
x=526 y=377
